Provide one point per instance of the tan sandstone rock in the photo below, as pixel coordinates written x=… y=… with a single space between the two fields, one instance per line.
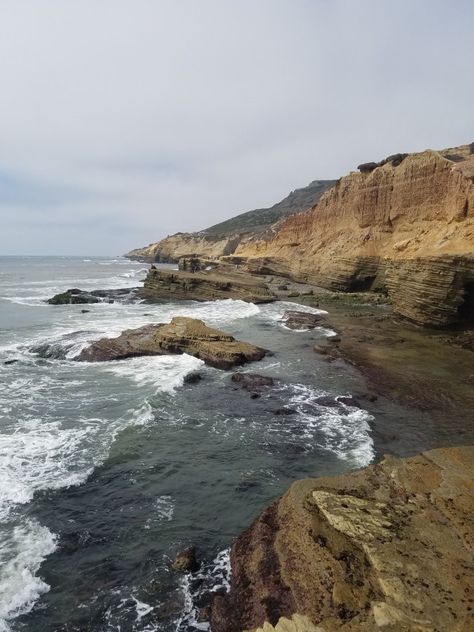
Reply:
x=181 y=335
x=401 y=227
x=389 y=547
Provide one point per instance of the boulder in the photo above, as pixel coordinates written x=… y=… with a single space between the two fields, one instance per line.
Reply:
x=186 y=561
x=182 y=335
x=253 y=382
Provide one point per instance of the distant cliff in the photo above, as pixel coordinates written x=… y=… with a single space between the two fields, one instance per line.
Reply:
x=404 y=226
x=224 y=238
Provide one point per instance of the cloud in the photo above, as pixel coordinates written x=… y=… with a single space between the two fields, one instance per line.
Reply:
x=122 y=121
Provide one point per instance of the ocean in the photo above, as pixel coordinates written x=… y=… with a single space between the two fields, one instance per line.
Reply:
x=108 y=470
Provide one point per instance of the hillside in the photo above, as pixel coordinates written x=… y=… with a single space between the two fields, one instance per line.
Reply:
x=223 y=238
x=261 y=219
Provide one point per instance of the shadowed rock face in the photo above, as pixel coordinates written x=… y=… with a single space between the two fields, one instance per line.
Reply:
x=387 y=548
x=201 y=286
x=182 y=335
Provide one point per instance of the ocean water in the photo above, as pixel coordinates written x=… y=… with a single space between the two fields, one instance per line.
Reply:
x=107 y=470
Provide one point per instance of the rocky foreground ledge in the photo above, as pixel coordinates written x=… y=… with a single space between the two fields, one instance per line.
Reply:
x=389 y=547
x=182 y=335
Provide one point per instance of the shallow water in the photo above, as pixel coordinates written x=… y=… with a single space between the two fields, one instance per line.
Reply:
x=108 y=470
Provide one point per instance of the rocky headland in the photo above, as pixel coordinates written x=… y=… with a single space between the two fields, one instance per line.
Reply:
x=404 y=227
x=224 y=238
x=389 y=547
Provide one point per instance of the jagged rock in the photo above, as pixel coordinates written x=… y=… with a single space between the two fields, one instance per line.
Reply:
x=182 y=335
x=367 y=167
x=192 y=378
x=201 y=286
x=186 y=561
x=302 y=320
x=387 y=548
x=73 y=296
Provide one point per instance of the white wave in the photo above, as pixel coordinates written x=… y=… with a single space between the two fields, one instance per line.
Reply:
x=39 y=456
x=21 y=554
x=165 y=372
x=341 y=429
x=217 y=312
x=211 y=578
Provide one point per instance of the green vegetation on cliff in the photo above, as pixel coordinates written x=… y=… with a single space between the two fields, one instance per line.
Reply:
x=261 y=219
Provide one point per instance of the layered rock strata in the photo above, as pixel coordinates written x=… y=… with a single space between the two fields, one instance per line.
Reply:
x=405 y=226
x=203 y=286
x=182 y=335
x=389 y=547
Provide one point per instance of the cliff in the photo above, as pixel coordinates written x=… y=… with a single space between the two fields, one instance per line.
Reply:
x=404 y=226
x=222 y=239
x=389 y=547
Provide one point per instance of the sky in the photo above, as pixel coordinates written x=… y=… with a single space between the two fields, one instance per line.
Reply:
x=123 y=121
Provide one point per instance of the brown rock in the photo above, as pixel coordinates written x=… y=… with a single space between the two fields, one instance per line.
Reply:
x=302 y=320
x=182 y=335
x=405 y=227
x=387 y=548
x=186 y=561
x=204 y=286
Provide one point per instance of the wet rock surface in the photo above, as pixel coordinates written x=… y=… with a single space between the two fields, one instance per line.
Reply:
x=302 y=320
x=389 y=547
x=186 y=561
x=182 y=335
x=75 y=296
x=253 y=382
x=162 y=285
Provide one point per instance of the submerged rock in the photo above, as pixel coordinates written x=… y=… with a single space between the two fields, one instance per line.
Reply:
x=186 y=561
x=253 y=382
x=386 y=548
x=183 y=335
x=302 y=320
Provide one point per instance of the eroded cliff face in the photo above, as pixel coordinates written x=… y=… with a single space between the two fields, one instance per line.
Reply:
x=405 y=227
x=174 y=247
x=223 y=239
x=387 y=548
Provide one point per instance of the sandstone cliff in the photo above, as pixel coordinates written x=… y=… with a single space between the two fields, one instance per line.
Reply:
x=222 y=239
x=387 y=548
x=404 y=226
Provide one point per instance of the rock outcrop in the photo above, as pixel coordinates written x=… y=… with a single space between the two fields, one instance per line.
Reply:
x=389 y=547
x=203 y=286
x=182 y=335
x=75 y=296
x=403 y=226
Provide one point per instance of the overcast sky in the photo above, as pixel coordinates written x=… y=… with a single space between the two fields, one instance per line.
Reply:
x=122 y=121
